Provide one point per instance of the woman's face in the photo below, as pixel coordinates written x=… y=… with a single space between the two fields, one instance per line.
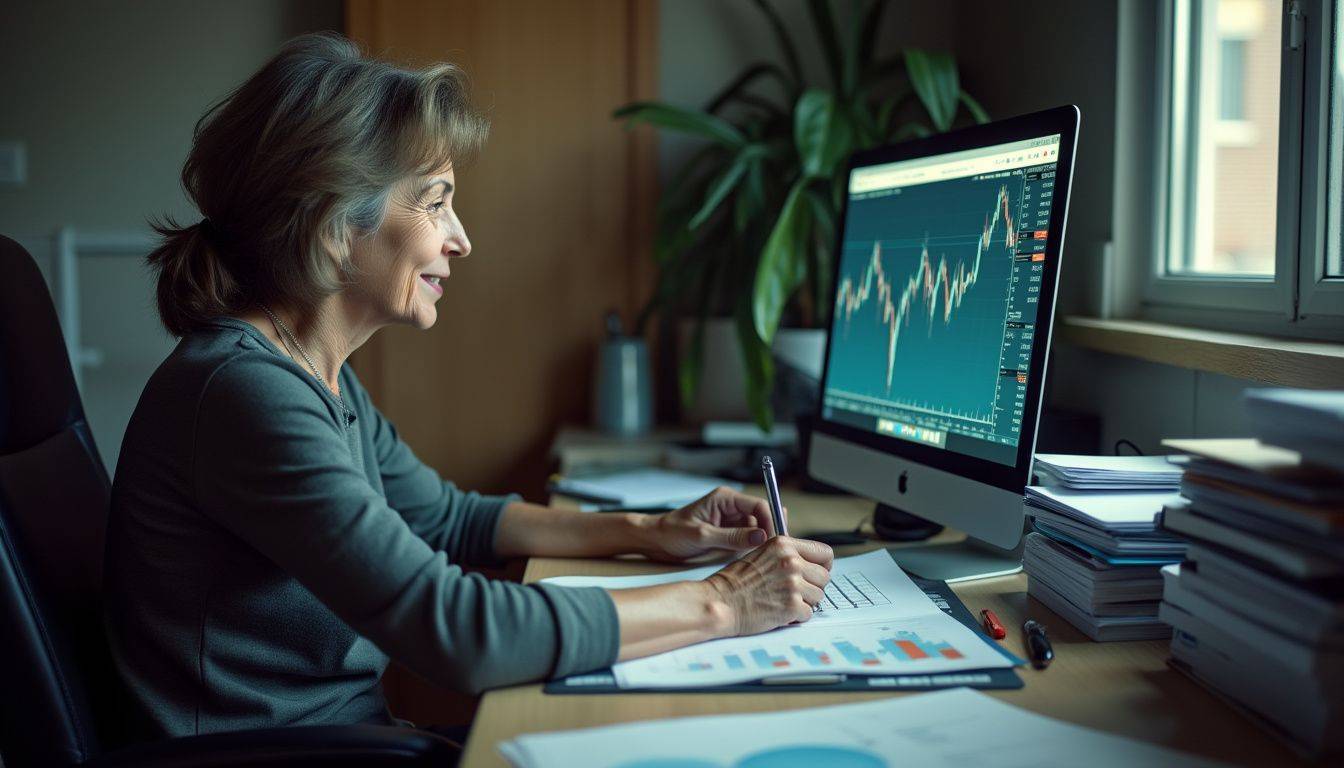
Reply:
x=400 y=270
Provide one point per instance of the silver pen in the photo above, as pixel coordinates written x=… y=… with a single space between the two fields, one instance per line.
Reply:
x=776 y=507
x=772 y=495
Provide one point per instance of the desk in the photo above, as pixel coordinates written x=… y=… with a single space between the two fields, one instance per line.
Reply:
x=1122 y=688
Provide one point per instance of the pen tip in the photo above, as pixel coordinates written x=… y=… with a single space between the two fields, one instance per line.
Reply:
x=765 y=462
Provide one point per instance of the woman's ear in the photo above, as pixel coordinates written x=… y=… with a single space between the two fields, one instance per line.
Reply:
x=338 y=244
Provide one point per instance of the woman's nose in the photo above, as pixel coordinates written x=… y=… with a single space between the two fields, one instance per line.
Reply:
x=458 y=244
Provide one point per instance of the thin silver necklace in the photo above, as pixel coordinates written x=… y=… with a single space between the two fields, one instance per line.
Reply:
x=288 y=337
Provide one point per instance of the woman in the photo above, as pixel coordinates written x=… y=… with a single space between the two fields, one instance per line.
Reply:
x=272 y=542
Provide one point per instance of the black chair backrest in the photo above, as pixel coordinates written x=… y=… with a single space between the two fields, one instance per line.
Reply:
x=54 y=496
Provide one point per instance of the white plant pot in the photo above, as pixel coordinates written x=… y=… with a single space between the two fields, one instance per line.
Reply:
x=723 y=379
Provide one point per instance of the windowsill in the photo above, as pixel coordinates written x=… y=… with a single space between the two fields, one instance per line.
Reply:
x=1270 y=359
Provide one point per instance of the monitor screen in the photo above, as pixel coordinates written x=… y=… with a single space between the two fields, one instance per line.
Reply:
x=937 y=294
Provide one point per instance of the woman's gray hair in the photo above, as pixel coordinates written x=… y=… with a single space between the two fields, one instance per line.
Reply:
x=292 y=164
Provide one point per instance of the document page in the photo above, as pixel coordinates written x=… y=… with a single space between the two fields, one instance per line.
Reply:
x=873 y=621
x=957 y=727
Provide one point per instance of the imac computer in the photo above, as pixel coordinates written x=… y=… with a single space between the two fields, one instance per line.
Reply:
x=944 y=287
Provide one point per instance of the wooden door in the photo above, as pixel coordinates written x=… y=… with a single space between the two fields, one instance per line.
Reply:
x=558 y=210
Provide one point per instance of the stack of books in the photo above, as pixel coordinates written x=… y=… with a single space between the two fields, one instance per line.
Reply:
x=1258 y=605
x=1095 y=554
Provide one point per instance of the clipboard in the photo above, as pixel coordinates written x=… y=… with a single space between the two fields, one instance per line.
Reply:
x=938 y=591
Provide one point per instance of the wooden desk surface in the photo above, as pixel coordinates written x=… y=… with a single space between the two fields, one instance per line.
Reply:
x=1122 y=688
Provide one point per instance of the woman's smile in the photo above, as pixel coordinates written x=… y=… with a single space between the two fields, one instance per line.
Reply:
x=432 y=282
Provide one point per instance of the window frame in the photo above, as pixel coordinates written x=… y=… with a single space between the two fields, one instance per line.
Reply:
x=1298 y=300
x=1321 y=298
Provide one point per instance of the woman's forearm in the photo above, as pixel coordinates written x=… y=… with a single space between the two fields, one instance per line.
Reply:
x=531 y=530
x=652 y=619
x=662 y=618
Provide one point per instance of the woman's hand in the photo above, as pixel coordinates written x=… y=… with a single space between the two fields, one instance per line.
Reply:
x=776 y=584
x=724 y=520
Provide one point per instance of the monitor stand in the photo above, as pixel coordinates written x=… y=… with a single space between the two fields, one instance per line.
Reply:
x=963 y=561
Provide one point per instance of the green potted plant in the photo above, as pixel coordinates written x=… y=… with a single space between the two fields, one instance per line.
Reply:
x=746 y=227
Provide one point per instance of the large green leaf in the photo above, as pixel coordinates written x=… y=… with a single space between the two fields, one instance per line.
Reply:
x=973 y=106
x=751 y=199
x=759 y=365
x=723 y=185
x=821 y=131
x=682 y=120
x=783 y=264
x=823 y=218
x=934 y=77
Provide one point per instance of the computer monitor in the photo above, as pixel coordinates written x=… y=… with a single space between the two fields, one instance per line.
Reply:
x=944 y=287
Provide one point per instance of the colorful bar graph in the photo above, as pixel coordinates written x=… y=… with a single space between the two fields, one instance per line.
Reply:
x=765 y=661
x=855 y=656
x=812 y=656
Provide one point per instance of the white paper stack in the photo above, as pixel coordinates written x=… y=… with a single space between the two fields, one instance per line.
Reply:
x=1100 y=473
x=1258 y=606
x=1310 y=422
x=1095 y=555
x=648 y=488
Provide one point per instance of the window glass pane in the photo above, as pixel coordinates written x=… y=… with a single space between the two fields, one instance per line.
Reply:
x=1334 y=255
x=1225 y=136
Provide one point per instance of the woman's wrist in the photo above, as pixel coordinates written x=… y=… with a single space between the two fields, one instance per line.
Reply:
x=721 y=618
x=640 y=533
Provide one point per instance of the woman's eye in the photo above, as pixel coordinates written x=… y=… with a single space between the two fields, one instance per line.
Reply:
x=436 y=206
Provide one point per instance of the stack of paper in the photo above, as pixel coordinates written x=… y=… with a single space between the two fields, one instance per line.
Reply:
x=1258 y=606
x=955 y=727
x=1094 y=557
x=647 y=488
x=1101 y=473
x=1310 y=422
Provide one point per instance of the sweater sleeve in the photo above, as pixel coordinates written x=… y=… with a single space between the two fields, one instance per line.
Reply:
x=273 y=467
x=461 y=523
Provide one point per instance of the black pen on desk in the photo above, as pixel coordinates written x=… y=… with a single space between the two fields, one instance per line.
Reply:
x=772 y=496
x=1038 y=645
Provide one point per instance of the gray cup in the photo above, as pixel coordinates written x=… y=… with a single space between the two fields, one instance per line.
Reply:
x=623 y=395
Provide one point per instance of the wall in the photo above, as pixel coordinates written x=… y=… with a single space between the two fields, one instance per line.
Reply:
x=105 y=96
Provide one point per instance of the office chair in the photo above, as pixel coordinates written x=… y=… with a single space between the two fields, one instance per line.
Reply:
x=61 y=699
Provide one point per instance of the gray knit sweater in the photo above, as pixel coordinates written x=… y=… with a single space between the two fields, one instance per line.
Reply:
x=264 y=560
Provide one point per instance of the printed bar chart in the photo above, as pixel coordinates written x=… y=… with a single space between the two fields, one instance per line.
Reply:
x=901 y=646
x=854 y=655
x=812 y=657
x=764 y=660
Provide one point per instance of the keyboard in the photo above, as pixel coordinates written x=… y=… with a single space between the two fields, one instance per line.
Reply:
x=849 y=591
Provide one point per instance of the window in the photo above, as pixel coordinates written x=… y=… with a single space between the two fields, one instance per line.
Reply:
x=1232 y=78
x=1246 y=202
